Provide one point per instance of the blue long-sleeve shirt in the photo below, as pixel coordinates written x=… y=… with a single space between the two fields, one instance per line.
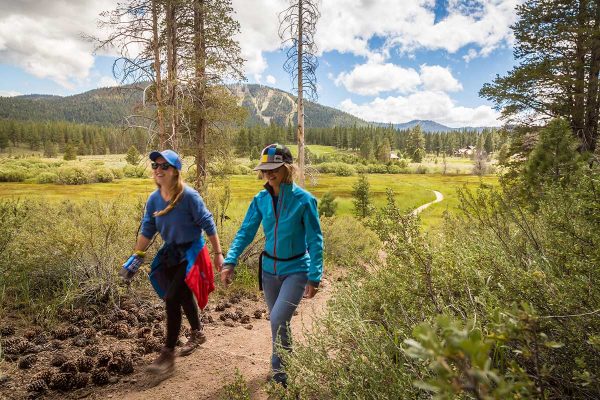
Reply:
x=182 y=224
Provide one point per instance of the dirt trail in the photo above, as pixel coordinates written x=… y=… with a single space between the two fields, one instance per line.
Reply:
x=438 y=197
x=203 y=374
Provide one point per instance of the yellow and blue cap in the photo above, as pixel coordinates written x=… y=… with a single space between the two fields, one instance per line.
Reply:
x=274 y=156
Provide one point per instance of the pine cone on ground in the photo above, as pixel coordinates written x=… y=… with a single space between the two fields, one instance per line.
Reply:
x=29 y=334
x=245 y=319
x=69 y=366
x=85 y=364
x=15 y=345
x=239 y=312
x=73 y=330
x=100 y=376
x=80 y=341
x=235 y=299
x=27 y=361
x=58 y=360
x=7 y=330
x=61 y=333
x=207 y=319
x=143 y=332
x=122 y=315
x=121 y=331
x=89 y=333
x=150 y=344
x=37 y=386
x=89 y=315
x=258 y=314
x=103 y=358
x=40 y=339
x=132 y=320
x=91 y=351
x=45 y=375
x=220 y=307
x=61 y=381
x=114 y=365
x=80 y=380
x=127 y=366
x=141 y=317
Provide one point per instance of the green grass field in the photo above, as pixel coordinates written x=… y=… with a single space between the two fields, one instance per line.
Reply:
x=412 y=190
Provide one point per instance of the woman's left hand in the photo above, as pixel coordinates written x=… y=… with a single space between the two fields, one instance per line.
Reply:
x=218 y=261
x=310 y=291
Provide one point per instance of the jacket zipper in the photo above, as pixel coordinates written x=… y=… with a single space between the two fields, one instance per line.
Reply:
x=279 y=205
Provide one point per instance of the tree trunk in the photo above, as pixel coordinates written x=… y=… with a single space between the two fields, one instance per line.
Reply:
x=162 y=137
x=578 y=114
x=300 y=101
x=591 y=120
x=199 y=106
x=171 y=38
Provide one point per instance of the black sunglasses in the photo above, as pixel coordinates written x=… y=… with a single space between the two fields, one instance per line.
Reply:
x=164 y=166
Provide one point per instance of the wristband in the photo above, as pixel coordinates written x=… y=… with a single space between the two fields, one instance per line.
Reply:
x=140 y=253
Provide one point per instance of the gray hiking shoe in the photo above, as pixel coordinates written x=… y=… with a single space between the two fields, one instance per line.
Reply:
x=164 y=363
x=197 y=337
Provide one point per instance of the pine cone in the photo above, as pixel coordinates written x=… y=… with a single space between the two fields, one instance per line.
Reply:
x=103 y=358
x=207 y=319
x=235 y=299
x=15 y=345
x=58 y=359
x=40 y=339
x=69 y=366
x=245 y=319
x=132 y=320
x=72 y=330
x=143 y=332
x=239 y=312
x=258 y=314
x=114 y=365
x=85 y=364
x=142 y=318
x=61 y=381
x=80 y=380
x=100 y=376
x=37 y=386
x=91 y=351
x=60 y=333
x=27 y=361
x=220 y=307
x=127 y=366
x=89 y=333
x=121 y=331
x=122 y=315
x=45 y=375
x=7 y=330
x=30 y=334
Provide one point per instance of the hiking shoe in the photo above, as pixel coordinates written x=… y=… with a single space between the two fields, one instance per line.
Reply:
x=164 y=363
x=197 y=337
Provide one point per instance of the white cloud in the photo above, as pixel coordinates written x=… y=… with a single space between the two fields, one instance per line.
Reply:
x=271 y=80
x=426 y=105
x=471 y=54
x=107 y=81
x=370 y=79
x=438 y=78
x=9 y=93
x=44 y=38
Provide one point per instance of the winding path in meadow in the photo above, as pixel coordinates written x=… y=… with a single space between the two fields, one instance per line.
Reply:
x=438 y=197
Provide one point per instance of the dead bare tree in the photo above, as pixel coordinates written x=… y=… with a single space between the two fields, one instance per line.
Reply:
x=297 y=28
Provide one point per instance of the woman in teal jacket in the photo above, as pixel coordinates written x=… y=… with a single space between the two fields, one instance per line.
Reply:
x=291 y=263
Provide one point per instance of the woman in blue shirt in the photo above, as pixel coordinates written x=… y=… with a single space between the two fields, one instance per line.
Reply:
x=179 y=269
x=291 y=263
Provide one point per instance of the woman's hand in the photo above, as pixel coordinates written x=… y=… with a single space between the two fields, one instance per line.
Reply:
x=310 y=291
x=218 y=261
x=226 y=275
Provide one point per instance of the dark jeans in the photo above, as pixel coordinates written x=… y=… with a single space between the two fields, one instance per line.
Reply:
x=179 y=296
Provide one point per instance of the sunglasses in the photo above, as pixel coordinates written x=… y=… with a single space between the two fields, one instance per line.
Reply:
x=163 y=166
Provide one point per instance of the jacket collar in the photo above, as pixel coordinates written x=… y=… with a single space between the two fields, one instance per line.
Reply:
x=284 y=187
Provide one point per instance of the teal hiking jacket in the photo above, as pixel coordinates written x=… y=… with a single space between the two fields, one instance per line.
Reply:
x=292 y=230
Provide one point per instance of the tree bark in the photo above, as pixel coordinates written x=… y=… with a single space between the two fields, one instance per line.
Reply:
x=199 y=98
x=591 y=120
x=162 y=137
x=171 y=37
x=300 y=101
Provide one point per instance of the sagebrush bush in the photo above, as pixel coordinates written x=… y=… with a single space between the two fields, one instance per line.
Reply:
x=70 y=175
x=337 y=168
x=348 y=243
x=12 y=174
x=47 y=177
x=103 y=175
x=131 y=171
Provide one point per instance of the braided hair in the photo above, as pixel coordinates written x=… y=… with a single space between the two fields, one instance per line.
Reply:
x=177 y=192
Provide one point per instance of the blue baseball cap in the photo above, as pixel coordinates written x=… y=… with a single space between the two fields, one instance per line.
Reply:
x=169 y=155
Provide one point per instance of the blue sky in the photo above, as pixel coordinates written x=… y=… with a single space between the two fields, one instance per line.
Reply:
x=382 y=60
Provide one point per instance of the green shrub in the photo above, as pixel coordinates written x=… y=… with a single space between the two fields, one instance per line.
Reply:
x=348 y=243
x=131 y=171
x=377 y=168
x=73 y=176
x=421 y=169
x=117 y=173
x=47 y=177
x=337 y=168
x=103 y=175
x=15 y=174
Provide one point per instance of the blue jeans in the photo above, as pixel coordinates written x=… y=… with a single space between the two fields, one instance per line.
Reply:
x=282 y=294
